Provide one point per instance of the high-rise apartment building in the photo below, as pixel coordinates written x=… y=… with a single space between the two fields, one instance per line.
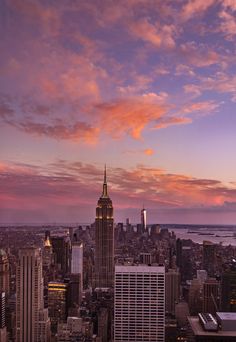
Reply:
x=30 y=325
x=139 y=313
x=104 y=239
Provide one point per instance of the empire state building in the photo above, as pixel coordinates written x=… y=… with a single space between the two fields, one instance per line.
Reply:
x=104 y=239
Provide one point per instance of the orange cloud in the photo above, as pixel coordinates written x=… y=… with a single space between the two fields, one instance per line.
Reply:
x=149 y=151
x=129 y=116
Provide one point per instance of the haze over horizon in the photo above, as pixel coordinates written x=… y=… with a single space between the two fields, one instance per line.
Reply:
x=147 y=87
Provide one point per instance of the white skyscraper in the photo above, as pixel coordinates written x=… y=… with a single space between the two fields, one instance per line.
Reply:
x=139 y=304
x=32 y=322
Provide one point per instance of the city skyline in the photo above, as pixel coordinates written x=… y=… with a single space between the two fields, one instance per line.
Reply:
x=148 y=87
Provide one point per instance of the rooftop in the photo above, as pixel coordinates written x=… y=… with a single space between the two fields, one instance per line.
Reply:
x=199 y=331
x=227 y=316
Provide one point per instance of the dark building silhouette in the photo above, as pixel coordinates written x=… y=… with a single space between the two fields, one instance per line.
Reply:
x=228 y=289
x=61 y=249
x=209 y=257
x=104 y=239
x=179 y=247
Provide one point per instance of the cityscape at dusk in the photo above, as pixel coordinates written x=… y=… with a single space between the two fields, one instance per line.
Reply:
x=147 y=87
x=117 y=171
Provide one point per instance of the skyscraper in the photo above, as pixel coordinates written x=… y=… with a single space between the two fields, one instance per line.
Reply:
x=30 y=325
x=209 y=257
x=104 y=239
x=57 y=303
x=228 y=288
x=144 y=219
x=3 y=329
x=172 y=290
x=211 y=296
x=4 y=272
x=76 y=276
x=139 y=304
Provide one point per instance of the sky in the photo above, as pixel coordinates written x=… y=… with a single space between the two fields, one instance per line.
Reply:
x=147 y=87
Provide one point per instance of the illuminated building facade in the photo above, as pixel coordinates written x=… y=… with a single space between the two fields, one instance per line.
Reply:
x=104 y=238
x=57 y=303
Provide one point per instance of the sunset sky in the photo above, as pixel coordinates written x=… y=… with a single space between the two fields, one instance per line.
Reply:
x=146 y=86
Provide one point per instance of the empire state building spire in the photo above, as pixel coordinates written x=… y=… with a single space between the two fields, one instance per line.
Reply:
x=104 y=192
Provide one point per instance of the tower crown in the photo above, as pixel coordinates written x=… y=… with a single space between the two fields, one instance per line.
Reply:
x=104 y=191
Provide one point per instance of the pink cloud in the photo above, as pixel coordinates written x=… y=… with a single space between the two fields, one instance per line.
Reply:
x=156 y=35
x=169 y=121
x=196 y=7
x=199 y=55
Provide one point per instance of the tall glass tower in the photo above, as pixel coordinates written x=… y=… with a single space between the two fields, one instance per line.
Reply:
x=104 y=239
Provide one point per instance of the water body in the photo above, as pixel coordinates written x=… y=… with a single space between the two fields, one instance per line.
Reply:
x=224 y=235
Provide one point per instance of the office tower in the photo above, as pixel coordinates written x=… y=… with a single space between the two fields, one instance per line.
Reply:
x=209 y=257
x=144 y=219
x=211 y=296
x=57 y=303
x=172 y=290
x=76 y=277
x=104 y=239
x=139 y=313
x=29 y=298
x=228 y=289
x=179 y=247
x=61 y=249
x=4 y=272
